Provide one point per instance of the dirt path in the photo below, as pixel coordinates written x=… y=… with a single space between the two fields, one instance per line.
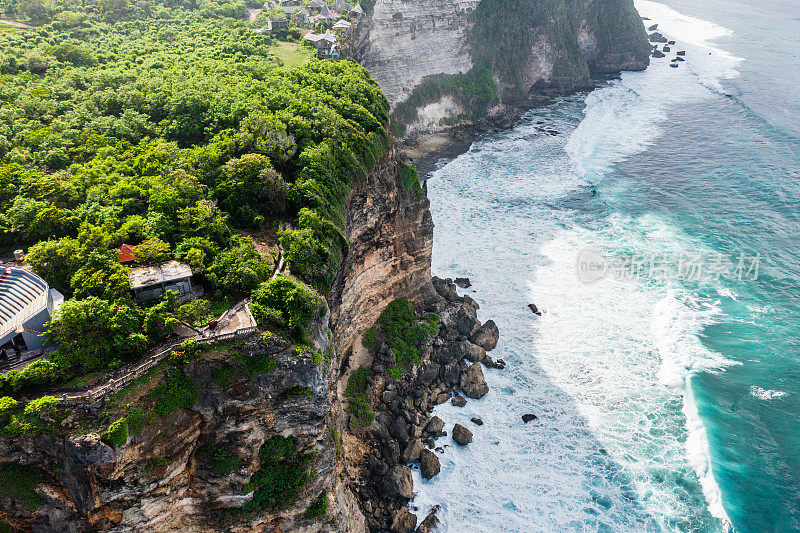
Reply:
x=16 y=24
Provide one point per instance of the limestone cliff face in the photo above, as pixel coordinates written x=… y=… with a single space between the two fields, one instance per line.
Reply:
x=532 y=49
x=390 y=235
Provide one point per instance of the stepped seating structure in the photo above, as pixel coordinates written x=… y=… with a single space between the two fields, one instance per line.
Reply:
x=25 y=305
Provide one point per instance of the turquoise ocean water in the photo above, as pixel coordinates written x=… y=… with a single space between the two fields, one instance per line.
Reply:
x=668 y=392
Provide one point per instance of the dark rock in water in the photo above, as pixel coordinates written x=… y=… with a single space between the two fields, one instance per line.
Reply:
x=439 y=449
x=464 y=283
x=534 y=309
x=500 y=364
x=472 y=352
x=657 y=38
x=461 y=435
x=435 y=427
x=459 y=401
x=666 y=49
x=681 y=52
x=670 y=42
x=654 y=27
x=399 y=482
x=473 y=383
x=529 y=417
x=658 y=54
x=429 y=464
x=679 y=59
x=486 y=336
x=430 y=524
x=477 y=421
x=404 y=521
x=673 y=65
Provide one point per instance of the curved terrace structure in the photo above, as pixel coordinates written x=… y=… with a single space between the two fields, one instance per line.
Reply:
x=26 y=304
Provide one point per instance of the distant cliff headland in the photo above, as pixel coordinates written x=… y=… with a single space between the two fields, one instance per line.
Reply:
x=443 y=63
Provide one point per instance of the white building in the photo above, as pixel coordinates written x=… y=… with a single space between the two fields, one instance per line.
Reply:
x=26 y=305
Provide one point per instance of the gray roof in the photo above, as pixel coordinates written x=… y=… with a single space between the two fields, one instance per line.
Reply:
x=357 y=9
x=316 y=3
x=163 y=273
x=325 y=10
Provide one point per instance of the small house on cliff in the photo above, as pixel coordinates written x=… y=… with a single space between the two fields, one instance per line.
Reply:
x=149 y=283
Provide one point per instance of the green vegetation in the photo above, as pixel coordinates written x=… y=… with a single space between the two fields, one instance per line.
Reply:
x=44 y=406
x=171 y=126
x=40 y=415
x=404 y=334
x=410 y=178
x=223 y=376
x=356 y=392
x=318 y=507
x=283 y=473
x=219 y=459
x=287 y=304
x=475 y=91
x=256 y=364
x=117 y=433
x=177 y=391
x=292 y=54
x=19 y=483
x=298 y=391
x=337 y=443
x=368 y=340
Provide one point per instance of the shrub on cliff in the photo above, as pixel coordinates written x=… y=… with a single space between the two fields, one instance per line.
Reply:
x=284 y=471
x=404 y=334
x=296 y=303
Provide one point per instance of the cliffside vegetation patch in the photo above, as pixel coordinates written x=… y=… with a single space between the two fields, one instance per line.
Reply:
x=284 y=472
x=19 y=483
x=474 y=90
x=404 y=334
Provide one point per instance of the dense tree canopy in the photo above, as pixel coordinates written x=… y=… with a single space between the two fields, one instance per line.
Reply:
x=171 y=125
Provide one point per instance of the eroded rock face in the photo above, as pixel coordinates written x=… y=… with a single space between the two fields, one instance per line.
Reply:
x=429 y=464
x=390 y=235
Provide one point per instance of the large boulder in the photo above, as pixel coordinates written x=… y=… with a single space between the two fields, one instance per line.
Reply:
x=429 y=464
x=446 y=289
x=461 y=435
x=472 y=352
x=473 y=383
x=404 y=521
x=429 y=525
x=486 y=337
x=399 y=482
x=412 y=450
x=466 y=323
x=435 y=426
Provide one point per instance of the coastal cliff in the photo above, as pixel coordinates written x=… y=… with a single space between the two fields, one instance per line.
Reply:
x=443 y=63
x=197 y=467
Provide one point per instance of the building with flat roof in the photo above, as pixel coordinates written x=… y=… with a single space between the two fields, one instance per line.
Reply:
x=26 y=305
x=149 y=283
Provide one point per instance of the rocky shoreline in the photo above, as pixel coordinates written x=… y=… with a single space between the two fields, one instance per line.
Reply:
x=403 y=431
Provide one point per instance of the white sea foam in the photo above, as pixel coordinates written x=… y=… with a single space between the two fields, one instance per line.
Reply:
x=766 y=394
x=606 y=368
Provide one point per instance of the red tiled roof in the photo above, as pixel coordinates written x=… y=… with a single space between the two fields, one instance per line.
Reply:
x=126 y=254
